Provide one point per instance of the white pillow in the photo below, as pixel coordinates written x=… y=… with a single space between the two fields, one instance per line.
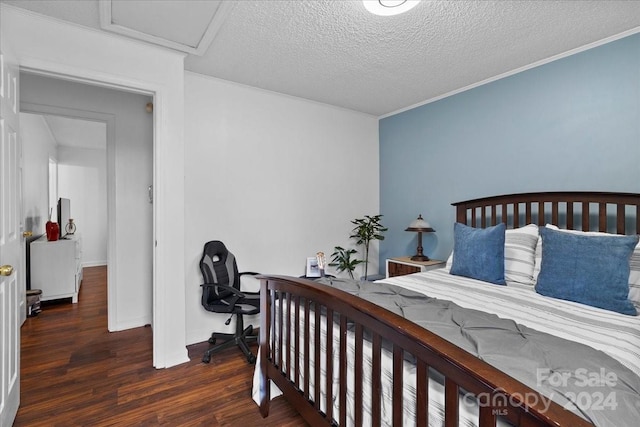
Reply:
x=634 y=263
x=519 y=254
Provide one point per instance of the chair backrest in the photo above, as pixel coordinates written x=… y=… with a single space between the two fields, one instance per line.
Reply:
x=218 y=265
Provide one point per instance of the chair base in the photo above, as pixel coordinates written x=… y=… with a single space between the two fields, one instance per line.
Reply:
x=241 y=338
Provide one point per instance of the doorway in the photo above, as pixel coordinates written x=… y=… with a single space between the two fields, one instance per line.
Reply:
x=129 y=173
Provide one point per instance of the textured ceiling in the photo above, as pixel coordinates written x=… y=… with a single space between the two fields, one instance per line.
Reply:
x=337 y=53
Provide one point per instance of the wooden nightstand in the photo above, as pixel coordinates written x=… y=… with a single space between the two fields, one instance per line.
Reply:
x=405 y=265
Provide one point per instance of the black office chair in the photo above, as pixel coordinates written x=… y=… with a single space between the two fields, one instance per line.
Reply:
x=221 y=294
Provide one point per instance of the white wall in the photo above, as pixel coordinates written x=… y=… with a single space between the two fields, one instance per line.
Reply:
x=82 y=178
x=38 y=145
x=276 y=178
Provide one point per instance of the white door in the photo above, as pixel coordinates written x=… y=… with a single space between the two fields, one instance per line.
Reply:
x=11 y=249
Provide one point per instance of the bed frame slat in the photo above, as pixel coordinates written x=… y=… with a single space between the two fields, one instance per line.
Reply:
x=307 y=344
x=528 y=213
x=288 y=336
x=516 y=215
x=451 y=409
x=585 y=215
x=620 y=223
x=328 y=355
x=483 y=217
x=280 y=328
x=296 y=346
x=343 y=371
x=273 y=296
x=317 y=366
x=487 y=417
x=358 y=377
x=266 y=303
x=570 y=215
x=422 y=393
x=398 y=383
x=602 y=217
x=376 y=376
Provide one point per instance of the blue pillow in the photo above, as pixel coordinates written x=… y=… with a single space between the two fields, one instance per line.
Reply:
x=592 y=270
x=478 y=253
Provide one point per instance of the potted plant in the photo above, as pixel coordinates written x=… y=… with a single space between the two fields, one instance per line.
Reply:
x=341 y=259
x=367 y=229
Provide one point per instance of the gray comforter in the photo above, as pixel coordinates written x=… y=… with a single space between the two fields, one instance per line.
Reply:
x=584 y=380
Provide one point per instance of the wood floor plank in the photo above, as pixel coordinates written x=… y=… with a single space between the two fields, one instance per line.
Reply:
x=75 y=373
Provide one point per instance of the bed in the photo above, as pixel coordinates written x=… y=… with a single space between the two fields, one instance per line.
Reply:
x=514 y=356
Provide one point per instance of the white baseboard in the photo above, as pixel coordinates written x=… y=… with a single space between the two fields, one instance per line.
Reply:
x=93 y=264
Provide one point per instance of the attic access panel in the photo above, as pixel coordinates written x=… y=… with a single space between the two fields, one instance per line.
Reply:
x=166 y=23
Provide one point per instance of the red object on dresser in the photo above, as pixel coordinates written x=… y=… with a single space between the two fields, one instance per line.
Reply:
x=53 y=231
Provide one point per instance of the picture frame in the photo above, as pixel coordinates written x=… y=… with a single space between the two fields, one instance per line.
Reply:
x=313 y=269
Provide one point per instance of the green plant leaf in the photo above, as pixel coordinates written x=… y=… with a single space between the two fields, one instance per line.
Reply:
x=367 y=229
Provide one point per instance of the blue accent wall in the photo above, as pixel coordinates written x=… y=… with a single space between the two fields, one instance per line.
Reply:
x=572 y=124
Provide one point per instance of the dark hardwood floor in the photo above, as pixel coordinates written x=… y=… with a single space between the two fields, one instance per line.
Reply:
x=76 y=373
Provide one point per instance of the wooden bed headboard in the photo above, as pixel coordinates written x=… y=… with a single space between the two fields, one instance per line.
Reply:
x=580 y=210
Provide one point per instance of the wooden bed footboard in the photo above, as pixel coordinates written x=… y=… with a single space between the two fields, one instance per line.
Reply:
x=289 y=304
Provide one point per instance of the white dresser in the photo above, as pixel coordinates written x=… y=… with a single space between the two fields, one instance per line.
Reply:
x=56 y=267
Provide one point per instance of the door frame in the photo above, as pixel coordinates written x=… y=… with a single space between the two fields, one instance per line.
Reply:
x=80 y=76
x=161 y=311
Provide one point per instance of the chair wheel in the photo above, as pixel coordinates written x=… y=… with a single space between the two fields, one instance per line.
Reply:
x=251 y=359
x=212 y=340
x=206 y=358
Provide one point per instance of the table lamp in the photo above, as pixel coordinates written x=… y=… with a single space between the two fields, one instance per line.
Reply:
x=420 y=226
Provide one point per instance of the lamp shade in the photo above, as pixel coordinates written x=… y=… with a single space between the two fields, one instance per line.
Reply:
x=419 y=224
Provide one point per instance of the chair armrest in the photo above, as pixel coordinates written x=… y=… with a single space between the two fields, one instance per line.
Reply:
x=226 y=288
x=249 y=272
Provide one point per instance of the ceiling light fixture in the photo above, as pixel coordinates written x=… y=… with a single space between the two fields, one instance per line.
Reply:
x=389 y=7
